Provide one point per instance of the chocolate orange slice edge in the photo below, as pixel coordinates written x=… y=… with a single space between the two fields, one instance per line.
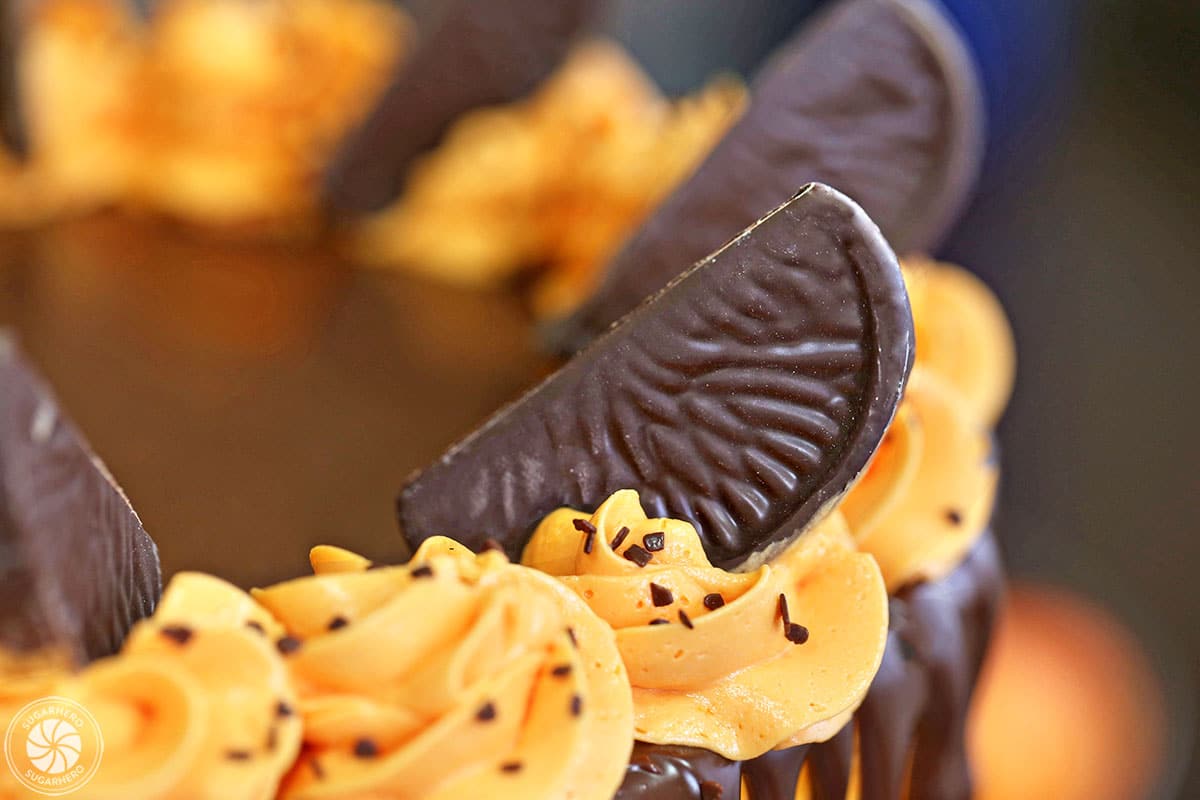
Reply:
x=77 y=568
x=745 y=398
x=877 y=98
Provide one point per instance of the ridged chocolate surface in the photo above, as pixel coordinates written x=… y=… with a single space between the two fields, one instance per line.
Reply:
x=917 y=705
x=745 y=398
x=76 y=567
x=877 y=98
x=477 y=52
x=12 y=125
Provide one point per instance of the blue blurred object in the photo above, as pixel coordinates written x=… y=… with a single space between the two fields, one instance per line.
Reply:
x=1023 y=49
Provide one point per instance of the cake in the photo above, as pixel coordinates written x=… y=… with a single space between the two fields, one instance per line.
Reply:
x=739 y=545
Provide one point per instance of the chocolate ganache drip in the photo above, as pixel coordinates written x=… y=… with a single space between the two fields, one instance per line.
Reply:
x=916 y=710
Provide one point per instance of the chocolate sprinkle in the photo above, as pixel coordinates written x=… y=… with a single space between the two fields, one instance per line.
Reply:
x=179 y=634
x=272 y=738
x=660 y=621
x=561 y=671
x=685 y=619
x=796 y=633
x=366 y=748
x=338 y=622
x=711 y=790
x=317 y=769
x=486 y=712
x=713 y=601
x=423 y=571
x=655 y=541
x=783 y=610
x=256 y=626
x=283 y=710
x=589 y=541
x=583 y=526
x=576 y=705
x=638 y=555
x=288 y=645
x=661 y=595
x=571 y=636
x=238 y=755
x=511 y=766
x=954 y=517
x=619 y=539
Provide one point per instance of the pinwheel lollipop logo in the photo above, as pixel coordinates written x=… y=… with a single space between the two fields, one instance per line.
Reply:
x=53 y=746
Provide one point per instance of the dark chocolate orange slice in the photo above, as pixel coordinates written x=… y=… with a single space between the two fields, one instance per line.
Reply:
x=745 y=398
x=477 y=52
x=12 y=125
x=876 y=98
x=76 y=567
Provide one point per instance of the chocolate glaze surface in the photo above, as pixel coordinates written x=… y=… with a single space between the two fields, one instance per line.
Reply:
x=477 y=52
x=658 y=771
x=76 y=567
x=12 y=125
x=745 y=398
x=876 y=98
x=916 y=706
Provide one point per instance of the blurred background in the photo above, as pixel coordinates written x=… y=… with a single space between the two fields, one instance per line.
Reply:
x=255 y=394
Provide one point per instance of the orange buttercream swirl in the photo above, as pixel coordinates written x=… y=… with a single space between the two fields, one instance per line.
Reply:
x=197 y=706
x=457 y=676
x=716 y=659
x=929 y=492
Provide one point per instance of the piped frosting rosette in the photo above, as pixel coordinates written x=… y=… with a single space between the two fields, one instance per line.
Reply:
x=457 y=676
x=197 y=706
x=929 y=492
x=736 y=663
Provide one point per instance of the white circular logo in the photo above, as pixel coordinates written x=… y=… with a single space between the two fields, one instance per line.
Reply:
x=53 y=746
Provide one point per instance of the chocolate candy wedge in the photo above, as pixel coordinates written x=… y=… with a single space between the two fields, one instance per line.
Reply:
x=76 y=567
x=12 y=125
x=876 y=98
x=477 y=52
x=744 y=398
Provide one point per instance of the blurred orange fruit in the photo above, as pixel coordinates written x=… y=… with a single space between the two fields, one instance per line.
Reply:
x=1068 y=707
